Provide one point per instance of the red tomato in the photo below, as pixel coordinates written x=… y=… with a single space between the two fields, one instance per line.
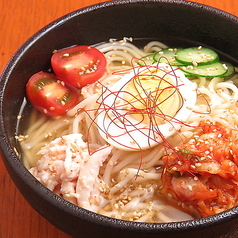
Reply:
x=50 y=95
x=79 y=65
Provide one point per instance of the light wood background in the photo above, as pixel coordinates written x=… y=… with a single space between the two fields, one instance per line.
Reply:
x=19 y=19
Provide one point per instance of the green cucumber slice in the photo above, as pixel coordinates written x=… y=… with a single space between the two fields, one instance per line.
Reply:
x=167 y=56
x=217 y=69
x=147 y=60
x=230 y=70
x=197 y=56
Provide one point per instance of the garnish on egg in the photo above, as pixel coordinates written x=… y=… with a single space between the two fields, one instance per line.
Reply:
x=145 y=106
x=148 y=95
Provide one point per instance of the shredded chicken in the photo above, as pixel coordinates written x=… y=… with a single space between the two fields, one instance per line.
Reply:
x=67 y=168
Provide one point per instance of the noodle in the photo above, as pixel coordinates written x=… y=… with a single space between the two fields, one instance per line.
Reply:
x=129 y=181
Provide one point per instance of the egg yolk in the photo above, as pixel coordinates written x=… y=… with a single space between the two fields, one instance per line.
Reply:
x=152 y=98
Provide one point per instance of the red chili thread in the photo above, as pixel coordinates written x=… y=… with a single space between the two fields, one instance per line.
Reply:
x=150 y=103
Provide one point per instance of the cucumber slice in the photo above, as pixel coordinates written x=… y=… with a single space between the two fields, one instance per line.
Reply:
x=197 y=56
x=230 y=70
x=217 y=69
x=167 y=56
x=147 y=60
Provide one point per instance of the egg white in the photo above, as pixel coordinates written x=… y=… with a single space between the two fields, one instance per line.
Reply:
x=123 y=131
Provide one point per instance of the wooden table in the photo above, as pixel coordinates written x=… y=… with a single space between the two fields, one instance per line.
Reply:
x=19 y=20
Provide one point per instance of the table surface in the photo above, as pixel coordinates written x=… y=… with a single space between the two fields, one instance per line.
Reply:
x=19 y=20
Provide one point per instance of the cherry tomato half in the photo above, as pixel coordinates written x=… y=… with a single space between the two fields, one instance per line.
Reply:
x=79 y=65
x=50 y=95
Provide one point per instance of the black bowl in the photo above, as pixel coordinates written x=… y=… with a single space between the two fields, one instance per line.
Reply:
x=171 y=21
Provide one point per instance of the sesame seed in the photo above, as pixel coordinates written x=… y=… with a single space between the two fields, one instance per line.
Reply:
x=225 y=66
x=171 y=128
x=142 y=174
x=170 y=195
x=15 y=149
x=97 y=200
x=195 y=63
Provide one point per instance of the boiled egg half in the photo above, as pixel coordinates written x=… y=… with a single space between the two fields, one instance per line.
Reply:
x=146 y=106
